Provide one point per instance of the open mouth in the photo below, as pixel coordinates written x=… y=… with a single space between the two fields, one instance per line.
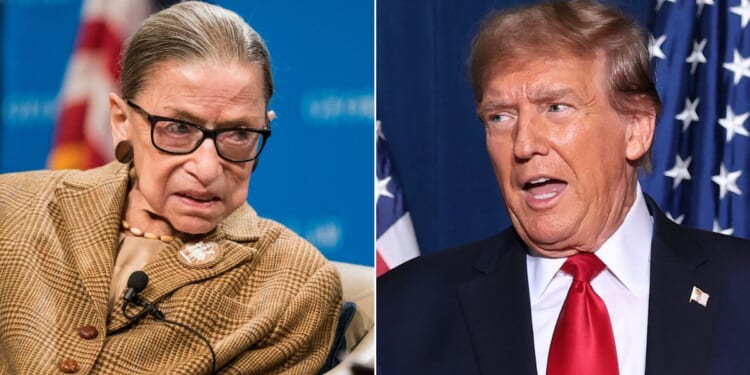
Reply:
x=544 y=188
x=199 y=198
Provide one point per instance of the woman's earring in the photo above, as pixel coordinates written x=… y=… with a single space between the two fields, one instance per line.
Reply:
x=124 y=152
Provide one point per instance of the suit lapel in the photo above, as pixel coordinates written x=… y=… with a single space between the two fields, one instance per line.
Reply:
x=679 y=331
x=90 y=204
x=496 y=307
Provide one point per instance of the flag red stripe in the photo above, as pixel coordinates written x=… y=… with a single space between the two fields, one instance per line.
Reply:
x=71 y=123
x=99 y=36
x=380 y=266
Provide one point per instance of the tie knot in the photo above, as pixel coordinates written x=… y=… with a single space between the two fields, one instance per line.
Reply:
x=584 y=266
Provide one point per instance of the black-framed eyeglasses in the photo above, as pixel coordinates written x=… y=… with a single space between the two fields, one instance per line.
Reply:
x=180 y=137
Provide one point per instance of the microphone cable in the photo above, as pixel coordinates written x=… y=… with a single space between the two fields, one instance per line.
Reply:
x=191 y=330
x=136 y=283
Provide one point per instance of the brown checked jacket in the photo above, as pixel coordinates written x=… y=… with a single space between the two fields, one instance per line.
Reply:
x=268 y=305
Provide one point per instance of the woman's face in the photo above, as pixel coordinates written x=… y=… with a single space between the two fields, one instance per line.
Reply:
x=196 y=191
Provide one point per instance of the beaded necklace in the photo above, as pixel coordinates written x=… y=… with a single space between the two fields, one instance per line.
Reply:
x=140 y=233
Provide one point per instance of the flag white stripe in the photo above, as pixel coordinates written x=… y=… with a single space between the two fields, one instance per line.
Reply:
x=398 y=243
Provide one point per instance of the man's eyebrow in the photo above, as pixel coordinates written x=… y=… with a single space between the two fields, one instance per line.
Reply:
x=546 y=94
x=492 y=104
x=539 y=94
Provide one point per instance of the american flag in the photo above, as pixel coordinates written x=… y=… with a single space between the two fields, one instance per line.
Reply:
x=396 y=241
x=700 y=50
x=82 y=132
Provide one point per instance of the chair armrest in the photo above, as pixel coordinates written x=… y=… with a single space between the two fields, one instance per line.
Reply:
x=363 y=354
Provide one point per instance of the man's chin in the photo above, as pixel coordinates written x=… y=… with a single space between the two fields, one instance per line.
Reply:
x=553 y=252
x=550 y=244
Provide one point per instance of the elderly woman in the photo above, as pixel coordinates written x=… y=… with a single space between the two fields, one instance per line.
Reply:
x=189 y=128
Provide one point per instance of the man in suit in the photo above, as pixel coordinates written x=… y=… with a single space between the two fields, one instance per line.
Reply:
x=569 y=108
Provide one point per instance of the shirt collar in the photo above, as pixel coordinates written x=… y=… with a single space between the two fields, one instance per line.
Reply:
x=626 y=253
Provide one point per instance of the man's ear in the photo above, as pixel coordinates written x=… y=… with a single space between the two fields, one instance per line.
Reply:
x=118 y=118
x=639 y=134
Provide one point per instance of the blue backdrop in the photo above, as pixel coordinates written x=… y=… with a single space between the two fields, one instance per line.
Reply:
x=317 y=171
x=427 y=113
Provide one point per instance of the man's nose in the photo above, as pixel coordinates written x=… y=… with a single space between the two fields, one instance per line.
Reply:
x=528 y=137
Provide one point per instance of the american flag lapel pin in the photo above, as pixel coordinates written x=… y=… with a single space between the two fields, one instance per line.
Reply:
x=699 y=296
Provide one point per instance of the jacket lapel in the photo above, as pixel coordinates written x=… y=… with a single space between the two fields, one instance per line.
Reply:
x=239 y=240
x=680 y=332
x=90 y=204
x=497 y=311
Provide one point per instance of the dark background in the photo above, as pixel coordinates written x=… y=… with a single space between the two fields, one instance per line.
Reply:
x=426 y=108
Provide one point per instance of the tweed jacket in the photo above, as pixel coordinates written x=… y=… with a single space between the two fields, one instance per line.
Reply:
x=268 y=305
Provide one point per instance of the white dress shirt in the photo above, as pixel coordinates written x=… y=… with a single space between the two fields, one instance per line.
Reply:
x=623 y=285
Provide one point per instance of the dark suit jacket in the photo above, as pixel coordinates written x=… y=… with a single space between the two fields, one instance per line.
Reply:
x=466 y=310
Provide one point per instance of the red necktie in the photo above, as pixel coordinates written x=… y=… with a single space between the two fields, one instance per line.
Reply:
x=583 y=343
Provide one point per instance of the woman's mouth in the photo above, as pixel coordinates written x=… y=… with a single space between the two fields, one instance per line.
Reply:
x=199 y=198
